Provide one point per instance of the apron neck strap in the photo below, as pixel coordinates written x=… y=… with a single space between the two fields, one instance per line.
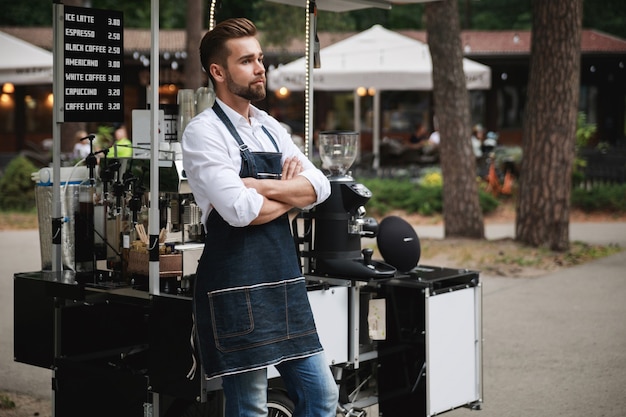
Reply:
x=229 y=125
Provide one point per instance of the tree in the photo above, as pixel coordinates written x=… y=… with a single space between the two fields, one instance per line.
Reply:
x=194 y=76
x=496 y=14
x=271 y=22
x=461 y=208
x=608 y=16
x=549 y=131
x=271 y=18
x=31 y=13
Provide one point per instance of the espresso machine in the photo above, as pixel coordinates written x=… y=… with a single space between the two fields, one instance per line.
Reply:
x=336 y=226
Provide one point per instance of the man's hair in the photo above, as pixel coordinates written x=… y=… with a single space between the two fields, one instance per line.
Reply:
x=213 y=45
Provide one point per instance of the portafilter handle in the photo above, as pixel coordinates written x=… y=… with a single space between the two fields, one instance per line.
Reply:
x=367 y=256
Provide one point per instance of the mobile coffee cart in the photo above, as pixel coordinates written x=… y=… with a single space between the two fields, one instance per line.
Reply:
x=122 y=351
x=112 y=318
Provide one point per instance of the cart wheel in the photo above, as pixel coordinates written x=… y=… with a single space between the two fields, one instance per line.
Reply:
x=279 y=404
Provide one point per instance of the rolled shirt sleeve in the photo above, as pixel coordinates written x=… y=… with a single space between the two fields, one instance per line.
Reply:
x=320 y=184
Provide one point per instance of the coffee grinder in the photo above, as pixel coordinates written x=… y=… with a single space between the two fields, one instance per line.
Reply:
x=339 y=223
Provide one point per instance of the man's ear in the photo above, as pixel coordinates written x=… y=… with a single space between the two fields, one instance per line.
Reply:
x=217 y=72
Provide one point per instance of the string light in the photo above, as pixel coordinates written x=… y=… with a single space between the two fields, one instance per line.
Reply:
x=212 y=14
x=307 y=81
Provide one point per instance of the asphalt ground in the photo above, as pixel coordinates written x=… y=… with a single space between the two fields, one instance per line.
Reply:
x=553 y=345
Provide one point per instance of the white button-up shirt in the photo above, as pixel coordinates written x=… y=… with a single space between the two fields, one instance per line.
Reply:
x=212 y=162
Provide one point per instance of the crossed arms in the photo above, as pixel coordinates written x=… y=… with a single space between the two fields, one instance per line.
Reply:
x=292 y=190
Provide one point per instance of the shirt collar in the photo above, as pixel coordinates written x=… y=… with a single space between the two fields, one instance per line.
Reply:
x=237 y=118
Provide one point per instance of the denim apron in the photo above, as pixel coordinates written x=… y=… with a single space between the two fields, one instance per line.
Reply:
x=250 y=300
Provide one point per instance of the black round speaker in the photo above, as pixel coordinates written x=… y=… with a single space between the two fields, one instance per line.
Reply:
x=398 y=243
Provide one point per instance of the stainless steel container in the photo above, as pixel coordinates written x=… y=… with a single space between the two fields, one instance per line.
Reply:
x=70 y=183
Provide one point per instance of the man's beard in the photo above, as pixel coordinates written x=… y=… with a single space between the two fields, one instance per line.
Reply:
x=254 y=92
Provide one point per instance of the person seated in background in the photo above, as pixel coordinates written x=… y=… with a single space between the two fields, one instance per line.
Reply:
x=478 y=134
x=82 y=148
x=490 y=143
x=123 y=147
x=432 y=144
x=419 y=137
x=418 y=150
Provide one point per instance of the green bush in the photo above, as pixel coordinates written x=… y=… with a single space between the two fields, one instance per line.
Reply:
x=584 y=131
x=610 y=198
x=387 y=193
x=17 y=189
x=425 y=197
x=403 y=194
x=488 y=203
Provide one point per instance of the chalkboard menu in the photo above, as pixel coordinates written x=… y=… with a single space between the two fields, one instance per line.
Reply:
x=93 y=62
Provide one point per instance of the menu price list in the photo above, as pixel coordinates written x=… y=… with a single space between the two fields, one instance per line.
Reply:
x=93 y=62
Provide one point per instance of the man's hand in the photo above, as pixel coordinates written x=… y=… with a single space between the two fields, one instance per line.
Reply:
x=291 y=168
x=281 y=196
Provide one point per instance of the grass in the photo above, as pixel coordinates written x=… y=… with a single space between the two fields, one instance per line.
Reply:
x=6 y=403
x=18 y=221
x=506 y=257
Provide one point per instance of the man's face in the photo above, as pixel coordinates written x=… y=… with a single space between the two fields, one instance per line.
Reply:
x=245 y=72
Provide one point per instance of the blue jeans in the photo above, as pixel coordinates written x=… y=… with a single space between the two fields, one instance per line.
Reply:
x=309 y=382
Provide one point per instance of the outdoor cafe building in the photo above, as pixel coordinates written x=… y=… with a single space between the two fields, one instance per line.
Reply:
x=26 y=110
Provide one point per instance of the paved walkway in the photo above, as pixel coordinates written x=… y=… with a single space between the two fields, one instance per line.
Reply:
x=19 y=252
x=553 y=345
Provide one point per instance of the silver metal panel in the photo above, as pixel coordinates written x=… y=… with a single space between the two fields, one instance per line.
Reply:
x=452 y=350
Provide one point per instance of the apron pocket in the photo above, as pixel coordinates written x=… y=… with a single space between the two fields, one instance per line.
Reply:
x=252 y=316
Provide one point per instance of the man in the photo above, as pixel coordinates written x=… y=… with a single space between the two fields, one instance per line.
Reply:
x=477 y=137
x=419 y=137
x=432 y=145
x=82 y=148
x=123 y=147
x=250 y=304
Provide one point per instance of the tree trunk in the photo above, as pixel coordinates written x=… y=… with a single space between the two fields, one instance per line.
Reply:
x=194 y=75
x=461 y=208
x=550 y=125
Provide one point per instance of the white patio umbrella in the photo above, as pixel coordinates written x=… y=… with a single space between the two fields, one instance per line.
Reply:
x=23 y=63
x=311 y=7
x=375 y=58
x=378 y=58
